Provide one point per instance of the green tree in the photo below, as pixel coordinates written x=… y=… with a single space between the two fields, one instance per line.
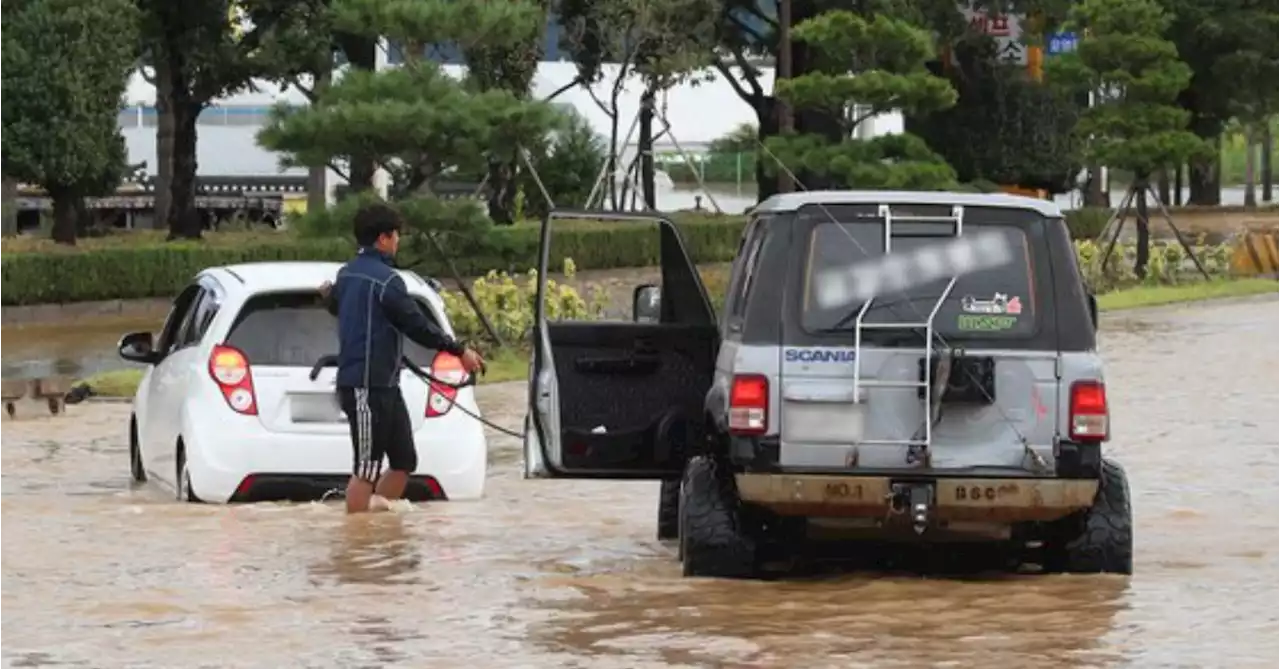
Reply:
x=567 y=162
x=1254 y=66
x=741 y=139
x=863 y=67
x=198 y=51
x=1006 y=127
x=507 y=65
x=416 y=121
x=65 y=68
x=1136 y=76
x=660 y=42
x=1200 y=43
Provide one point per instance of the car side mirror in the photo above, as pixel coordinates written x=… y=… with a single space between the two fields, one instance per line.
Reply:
x=138 y=347
x=1093 y=309
x=646 y=304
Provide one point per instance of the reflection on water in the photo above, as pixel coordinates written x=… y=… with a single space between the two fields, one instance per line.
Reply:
x=548 y=574
x=73 y=349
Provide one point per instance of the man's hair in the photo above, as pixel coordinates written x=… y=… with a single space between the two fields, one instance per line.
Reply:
x=375 y=220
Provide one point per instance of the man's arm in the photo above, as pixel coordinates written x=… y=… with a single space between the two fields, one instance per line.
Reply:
x=403 y=312
x=329 y=296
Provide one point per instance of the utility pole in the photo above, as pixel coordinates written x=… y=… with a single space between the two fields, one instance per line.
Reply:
x=786 y=118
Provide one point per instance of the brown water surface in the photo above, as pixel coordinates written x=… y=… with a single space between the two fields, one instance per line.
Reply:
x=568 y=574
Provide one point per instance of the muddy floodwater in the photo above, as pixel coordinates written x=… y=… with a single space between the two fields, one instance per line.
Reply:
x=569 y=574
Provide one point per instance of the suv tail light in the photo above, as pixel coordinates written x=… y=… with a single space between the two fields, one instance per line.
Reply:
x=440 y=398
x=230 y=370
x=1089 y=419
x=749 y=404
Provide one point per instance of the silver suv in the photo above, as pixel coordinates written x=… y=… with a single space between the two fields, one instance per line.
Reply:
x=888 y=366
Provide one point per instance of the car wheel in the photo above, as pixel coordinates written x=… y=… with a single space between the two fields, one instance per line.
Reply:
x=669 y=510
x=183 y=479
x=136 y=470
x=1100 y=541
x=713 y=538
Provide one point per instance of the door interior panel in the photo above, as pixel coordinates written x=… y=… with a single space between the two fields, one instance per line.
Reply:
x=631 y=394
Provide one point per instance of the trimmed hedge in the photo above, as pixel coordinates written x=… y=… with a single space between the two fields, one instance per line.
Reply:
x=140 y=265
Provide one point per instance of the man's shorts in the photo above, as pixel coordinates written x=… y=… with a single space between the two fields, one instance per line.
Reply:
x=380 y=427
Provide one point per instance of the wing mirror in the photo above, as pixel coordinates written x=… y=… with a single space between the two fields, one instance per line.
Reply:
x=646 y=304
x=138 y=347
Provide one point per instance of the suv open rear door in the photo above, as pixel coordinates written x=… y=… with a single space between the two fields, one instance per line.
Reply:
x=622 y=398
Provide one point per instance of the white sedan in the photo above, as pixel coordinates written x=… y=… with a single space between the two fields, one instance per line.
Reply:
x=228 y=410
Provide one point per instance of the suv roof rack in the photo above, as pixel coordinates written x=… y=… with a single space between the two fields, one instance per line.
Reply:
x=788 y=202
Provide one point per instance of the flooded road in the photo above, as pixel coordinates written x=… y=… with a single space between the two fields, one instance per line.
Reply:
x=548 y=574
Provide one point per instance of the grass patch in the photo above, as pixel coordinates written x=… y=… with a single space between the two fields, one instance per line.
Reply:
x=502 y=366
x=116 y=383
x=1150 y=296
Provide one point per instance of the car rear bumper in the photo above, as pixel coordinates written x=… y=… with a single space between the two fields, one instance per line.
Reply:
x=976 y=499
x=313 y=487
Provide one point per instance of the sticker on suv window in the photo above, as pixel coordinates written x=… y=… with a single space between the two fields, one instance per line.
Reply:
x=999 y=303
x=986 y=322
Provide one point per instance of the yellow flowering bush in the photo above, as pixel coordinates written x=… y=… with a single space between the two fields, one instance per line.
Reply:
x=1168 y=263
x=509 y=302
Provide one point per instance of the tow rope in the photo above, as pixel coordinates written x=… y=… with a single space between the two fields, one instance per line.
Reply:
x=431 y=379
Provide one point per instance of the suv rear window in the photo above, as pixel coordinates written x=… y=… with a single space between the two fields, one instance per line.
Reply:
x=989 y=303
x=293 y=329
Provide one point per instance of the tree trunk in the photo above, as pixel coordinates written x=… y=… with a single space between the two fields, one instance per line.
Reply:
x=611 y=185
x=317 y=177
x=766 y=127
x=1144 y=229
x=65 y=213
x=163 y=169
x=1268 y=152
x=645 y=146
x=1162 y=185
x=499 y=183
x=1177 y=185
x=184 y=218
x=1204 y=179
x=1250 y=169
x=9 y=206
x=1093 y=191
x=362 y=54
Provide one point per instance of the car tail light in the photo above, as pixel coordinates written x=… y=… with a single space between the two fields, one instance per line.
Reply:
x=749 y=404
x=440 y=398
x=1089 y=419
x=230 y=370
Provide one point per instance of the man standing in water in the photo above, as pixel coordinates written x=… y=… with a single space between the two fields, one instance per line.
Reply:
x=375 y=312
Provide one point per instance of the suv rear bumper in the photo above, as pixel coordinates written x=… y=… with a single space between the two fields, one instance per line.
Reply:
x=975 y=499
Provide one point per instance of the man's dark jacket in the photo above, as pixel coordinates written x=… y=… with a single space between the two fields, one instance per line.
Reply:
x=374 y=310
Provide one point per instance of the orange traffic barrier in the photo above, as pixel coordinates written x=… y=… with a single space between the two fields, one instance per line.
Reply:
x=1256 y=253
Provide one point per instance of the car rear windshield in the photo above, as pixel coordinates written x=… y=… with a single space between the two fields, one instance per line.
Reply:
x=293 y=329
x=999 y=302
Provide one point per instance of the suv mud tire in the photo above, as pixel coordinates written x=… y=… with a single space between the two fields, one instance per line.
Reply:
x=669 y=510
x=1100 y=541
x=714 y=541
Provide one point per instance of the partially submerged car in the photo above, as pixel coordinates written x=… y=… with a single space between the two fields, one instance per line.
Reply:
x=893 y=366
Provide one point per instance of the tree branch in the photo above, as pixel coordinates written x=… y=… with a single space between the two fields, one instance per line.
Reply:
x=344 y=174
x=308 y=93
x=603 y=107
x=555 y=94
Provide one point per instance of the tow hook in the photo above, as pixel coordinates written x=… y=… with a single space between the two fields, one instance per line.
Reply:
x=916 y=498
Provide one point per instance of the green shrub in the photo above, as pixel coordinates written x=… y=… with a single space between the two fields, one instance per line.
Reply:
x=40 y=272
x=138 y=265
x=1087 y=223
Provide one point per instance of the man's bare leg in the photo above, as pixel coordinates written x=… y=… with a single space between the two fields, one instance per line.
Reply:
x=359 y=492
x=392 y=484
